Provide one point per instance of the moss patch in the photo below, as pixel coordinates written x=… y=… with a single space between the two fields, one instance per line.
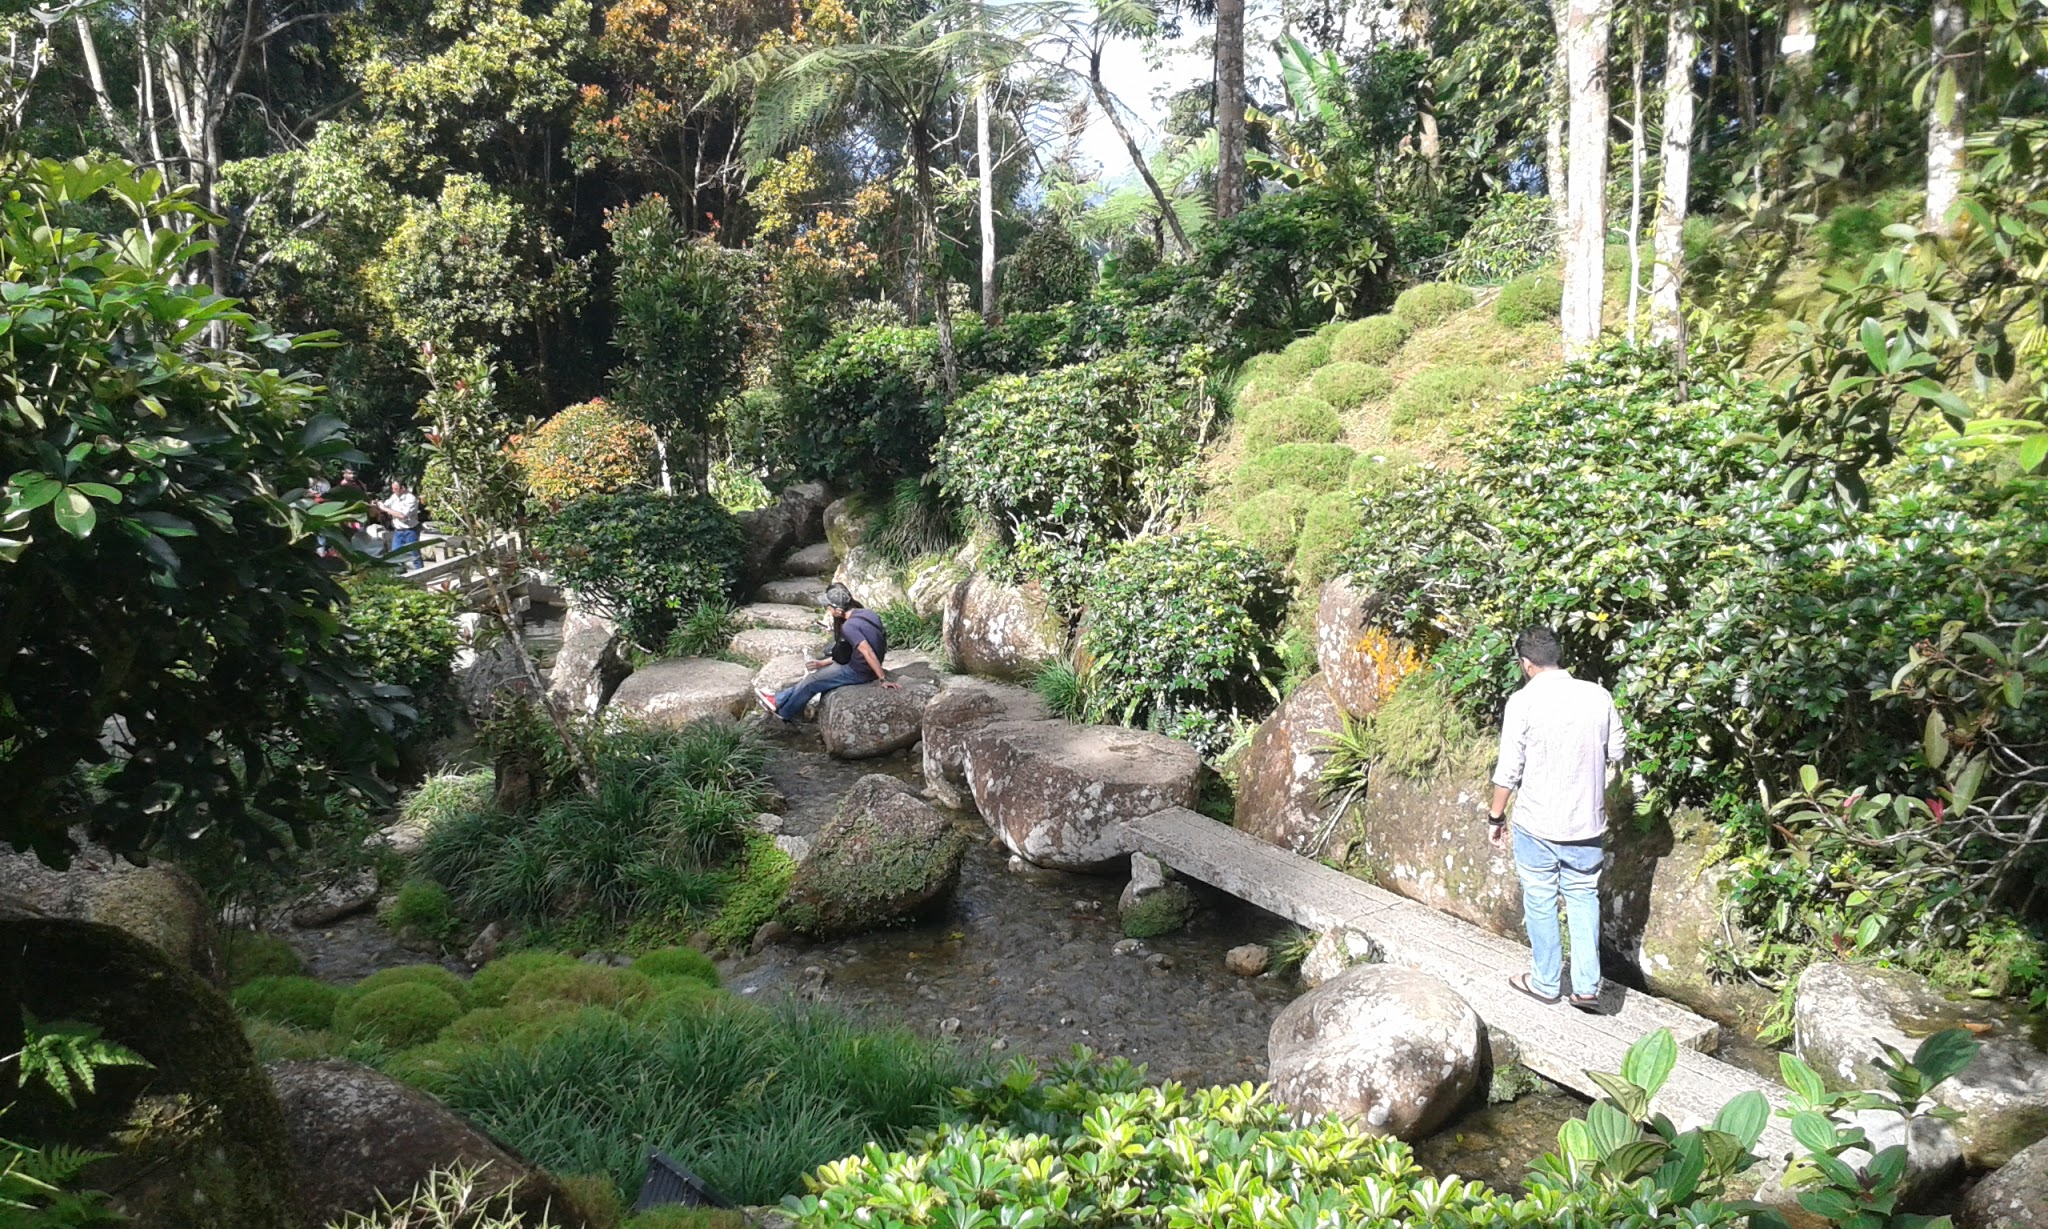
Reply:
x=1160 y=912
x=251 y=954
x=751 y=899
x=299 y=1002
x=397 y=1016
x=495 y=980
x=678 y=962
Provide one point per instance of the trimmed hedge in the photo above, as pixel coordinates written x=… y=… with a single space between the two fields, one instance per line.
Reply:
x=1447 y=395
x=1347 y=386
x=1327 y=529
x=1271 y=521
x=1530 y=298
x=646 y=560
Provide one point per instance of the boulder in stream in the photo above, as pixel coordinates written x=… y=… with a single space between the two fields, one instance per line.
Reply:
x=965 y=705
x=1059 y=794
x=1280 y=778
x=681 y=690
x=1002 y=631
x=2015 y=1197
x=1393 y=1050
x=871 y=719
x=886 y=857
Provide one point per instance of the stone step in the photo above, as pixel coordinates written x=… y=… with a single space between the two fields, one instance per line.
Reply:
x=795 y=591
x=781 y=616
x=816 y=559
x=761 y=645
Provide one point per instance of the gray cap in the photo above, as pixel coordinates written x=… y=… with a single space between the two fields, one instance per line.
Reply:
x=839 y=597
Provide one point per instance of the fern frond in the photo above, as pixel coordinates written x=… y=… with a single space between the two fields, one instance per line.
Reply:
x=66 y=1054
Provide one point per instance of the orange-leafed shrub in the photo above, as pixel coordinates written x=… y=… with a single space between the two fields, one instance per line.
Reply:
x=588 y=449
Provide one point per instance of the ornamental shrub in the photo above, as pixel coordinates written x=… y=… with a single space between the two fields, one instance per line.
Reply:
x=1177 y=633
x=1328 y=525
x=1517 y=232
x=1424 y=305
x=1379 y=470
x=412 y=975
x=404 y=635
x=1302 y=355
x=646 y=559
x=672 y=962
x=864 y=408
x=1530 y=298
x=398 y=1016
x=1346 y=386
x=1271 y=521
x=1373 y=341
x=1289 y=420
x=590 y=448
x=1258 y=392
x=1313 y=467
x=300 y=1002
x=1049 y=268
x=421 y=910
x=1445 y=397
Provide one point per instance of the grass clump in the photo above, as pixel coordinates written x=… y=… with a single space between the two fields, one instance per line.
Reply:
x=580 y=984
x=1421 y=733
x=1312 y=467
x=1372 y=341
x=281 y=1043
x=1328 y=526
x=1258 y=393
x=1379 y=470
x=1445 y=397
x=1271 y=521
x=1290 y=420
x=1063 y=690
x=1346 y=386
x=444 y=797
x=674 y=962
x=1424 y=305
x=252 y=954
x=1159 y=912
x=703 y=632
x=908 y=629
x=421 y=909
x=1301 y=356
x=1530 y=299
x=397 y=1016
x=299 y=1002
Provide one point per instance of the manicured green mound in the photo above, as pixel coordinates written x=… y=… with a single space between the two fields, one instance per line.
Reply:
x=1372 y=341
x=398 y=1016
x=580 y=983
x=1346 y=386
x=300 y=1002
x=1530 y=299
x=1258 y=392
x=1424 y=305
x=414 y=974
x=1301 y=356
x=1271 y=520
x=673 y=962
x=1313 y=467
x=1446 y=395
x=252 y=954
x=1379 y=470
x=1289 y=420
x=495 y=980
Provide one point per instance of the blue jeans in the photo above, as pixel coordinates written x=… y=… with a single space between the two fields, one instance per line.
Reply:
x=402 y=538
x=1571 y=869
x=790 y=701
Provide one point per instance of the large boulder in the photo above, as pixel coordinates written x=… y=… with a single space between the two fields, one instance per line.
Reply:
x=195 y=1139
x=964 y=706
x=1058 y=795
x=793 y=591
x=590 y=664
x=874 y=581
x=359 y=1137
x=779 y=672
x=1002 y=631
x=1392 y=1050
x=845 y=525
x=931 y=584
x=681 y=690
x=1280 y=778
x=2016 y=1197
x=1840 y=1012
x=760 y=645
x=1333 y=952
x=485 y=676
x=817 y=559
x=886 y=857
x=1360 y=664
x=796 y=518
x=862 y=722
x=781 y=617
x=161 y=905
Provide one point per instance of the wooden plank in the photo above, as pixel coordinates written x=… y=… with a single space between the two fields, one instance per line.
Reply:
x=1556 y=1042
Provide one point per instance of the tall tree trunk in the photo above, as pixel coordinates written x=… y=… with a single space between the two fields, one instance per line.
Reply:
x=1667 y=280
x=1585 y=237
x=928 y=231
x=1230 y=135
x=1104 y=100
x=1638 y=44
x=1947 y=97
x=984 y=159
x=1557 y=103
x=1745 y=72
x=1421 y=29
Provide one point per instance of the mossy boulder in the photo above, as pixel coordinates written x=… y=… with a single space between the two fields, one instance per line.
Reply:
x=196 y=1138
x=886 y=857
x=160 y=905
x=1161 y=911
x=1373 y=340
x=1312 y=467
x=1424 y=305
x=1289 y=420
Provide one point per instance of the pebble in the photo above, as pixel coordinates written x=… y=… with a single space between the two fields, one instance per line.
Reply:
x=949 y=1026
x=1159 y=962
x=1087 y=906
x=1247 y=961
x=999 y=1044
x=1128 y=947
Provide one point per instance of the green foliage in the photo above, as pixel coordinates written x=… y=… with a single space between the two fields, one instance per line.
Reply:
x=397 y=1016
x=1291 y=261
x=1271 y=521
x=1346 y=386
x=1373 y=341
x=1446 y=396
x=1530 y=299
x=1311 y=467
x=753 y=893
x=580 y=984
x=421 y=909
x=1161 y=911
x=1063 y=691
x=1853 y=233
x=914 y=521
x=1515 y=234
x=413 y=975
x=445 y=796
x=156 y=548
x=1288 y=420
x=251 y=954
x=866 y=408
x=680 y=326
x=677 y=962
x=1381 y=470
x=1328 y=525
x=1177 y=631
x=590 y=448
x=1302 y=355
x=908 y=629
x=1049 y=268
x=1427 y=304
x=492 y=982
x=66 y=1057
x=645 y=560
x=449 y=1198
x=300 y=1002
x=1420 y=732
x=705 y=631
x=405 y=636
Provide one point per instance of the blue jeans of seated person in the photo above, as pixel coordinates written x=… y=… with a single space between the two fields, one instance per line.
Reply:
x=1548 y=870
x=790 y=701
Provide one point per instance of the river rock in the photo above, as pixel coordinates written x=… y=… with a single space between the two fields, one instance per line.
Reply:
x=846 y=525
x=1841 y=1011
x=342 y=898
x=1280 y=778
x=681 y=690
x=867 y=720
x=1249 y=960
x=885 y=857
x=1002 y=631
x=782 y=617
x=761 y=645
x=1359 y=663
x=160 y=904
x=359 y=1137
x=817 y=559
x=195 y=1139
x=590 y=664
x=780 y=672
x=2015 y=1197
x=1059 y=794
x=1333 y=952
x=873 y=580
x=483 y=676
x=1393 y=1050
x=965 y=705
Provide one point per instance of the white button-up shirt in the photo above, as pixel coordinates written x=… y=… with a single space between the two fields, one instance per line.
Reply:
x=1556 y=740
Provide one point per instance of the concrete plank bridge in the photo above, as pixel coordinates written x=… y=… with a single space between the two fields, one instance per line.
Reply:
x=1556 y=1042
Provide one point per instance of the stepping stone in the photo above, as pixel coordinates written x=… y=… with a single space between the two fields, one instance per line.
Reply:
x=816 y=559
x=782 y=617
x=868 y=720
x=681 y=690
x=797 y=591
x=1059 y=795
x=779 y=672
x=760 y=645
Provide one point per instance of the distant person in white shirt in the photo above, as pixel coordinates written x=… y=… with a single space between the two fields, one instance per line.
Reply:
x=403 y=507
x=1557 y=741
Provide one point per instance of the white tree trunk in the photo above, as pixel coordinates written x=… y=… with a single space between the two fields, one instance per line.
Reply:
x=1667 y=279
x=1557 y=102
x=1585 y=236
x=985 y=167
x=1636 y=155
x=1230 y=139
x=1946 y=98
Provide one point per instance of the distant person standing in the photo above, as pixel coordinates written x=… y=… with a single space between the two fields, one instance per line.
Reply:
x=1558 y=739
x=403 y=507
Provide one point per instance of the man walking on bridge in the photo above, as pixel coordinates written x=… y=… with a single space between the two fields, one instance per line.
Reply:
x=1558 y=739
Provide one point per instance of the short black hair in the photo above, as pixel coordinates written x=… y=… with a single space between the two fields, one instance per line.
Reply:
x=1537 y=646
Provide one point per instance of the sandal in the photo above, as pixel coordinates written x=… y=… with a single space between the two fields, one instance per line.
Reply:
x=1520 y=981
x=1589 y=1003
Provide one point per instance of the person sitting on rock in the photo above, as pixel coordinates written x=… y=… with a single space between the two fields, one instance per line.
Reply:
x=858 y=646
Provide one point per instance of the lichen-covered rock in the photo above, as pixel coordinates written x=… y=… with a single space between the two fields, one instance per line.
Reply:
x=1333 y=952
x=196 y=1138
x=1001 y=631
x=779 y=672
x=864 y=721
x=795 y=518
x=846 y=525
x=873 y=580
x=359 y=1137
x=792 y=591
x=2015 y=1197
x=485 y=677
x=331 y=902
x=782 y=617
x=1392 y=1050
x=931 y=585
x=886 y=857
x=681 y=690
x=1280 y=778
x=1161 y=911
x=590 y=664
x=1360 y=665
x=965 y=705
x=1841 y=1011
x=1058 y=795
x=817 y=559
x=1248 y=960
x=761 y=645
x=159 y=904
